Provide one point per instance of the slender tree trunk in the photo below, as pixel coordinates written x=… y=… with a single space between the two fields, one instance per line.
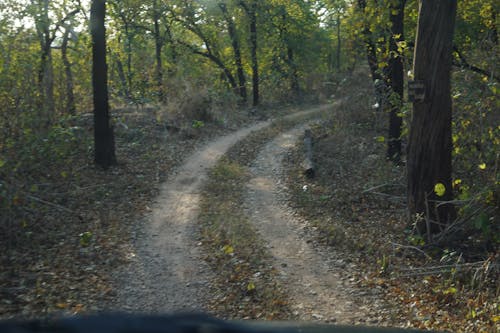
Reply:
x=124 y=90
x=47 y=85
x=493 y=32
x=103 y=132
x=158 y=52
x=255 y=63
x=430 y=143
x=237 y=52
x=173 y=49
x=128 y=50
x=371 y=55
x=339 y=42
x=294 y=76
x=251 y=11
x=46 y=71
x=395 y=81
x=70 y=96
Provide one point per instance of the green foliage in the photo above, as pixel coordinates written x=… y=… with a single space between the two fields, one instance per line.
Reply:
x=85 y=238
x=197 y=124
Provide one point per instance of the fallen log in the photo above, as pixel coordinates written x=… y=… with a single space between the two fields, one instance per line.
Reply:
x=307 y=164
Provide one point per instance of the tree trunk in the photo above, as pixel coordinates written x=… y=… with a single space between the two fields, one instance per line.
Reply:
x=158 y=51
x=46 y=71
x=124 y=90
x=253 y=44
x=339 y=43
x=395 y=81
x=294 y=76
x=70 y=96
x=237 y=52
x=371 y=55
x=47 y=86
x=251 y=12
x=103 y=132
x=430 y=143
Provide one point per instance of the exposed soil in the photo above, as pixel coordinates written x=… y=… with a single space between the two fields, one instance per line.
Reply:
x=315 y=285
x=166 y=271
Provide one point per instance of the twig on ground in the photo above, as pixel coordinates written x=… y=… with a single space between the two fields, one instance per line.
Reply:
x=48 y=203
x=396 y=245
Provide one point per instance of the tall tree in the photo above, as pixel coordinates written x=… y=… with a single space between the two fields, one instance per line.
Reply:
x=430 y=141
x=371 y=54
x=395 y=79
x=69 y=93
x=159 y=42
x=104 y=143
x=250 y=8
x=46 y=31
x=231 y=27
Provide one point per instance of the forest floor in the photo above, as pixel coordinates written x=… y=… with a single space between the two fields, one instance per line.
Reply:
x=222 y=220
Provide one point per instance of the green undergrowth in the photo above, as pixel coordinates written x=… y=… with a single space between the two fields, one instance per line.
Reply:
x=247 y=284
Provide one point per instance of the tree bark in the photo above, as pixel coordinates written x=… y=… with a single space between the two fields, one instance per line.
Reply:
x=103 y=132
x=70 y=96
x=430 y=142
x=158 y=52
x=294 y=76
x=46 y=71
x=251 y=11
x=395 y=81
x=339 y=42
x=371 y=55
x=237 y=52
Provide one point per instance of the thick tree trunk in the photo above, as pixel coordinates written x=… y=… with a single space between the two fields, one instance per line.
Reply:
x=430 y=143
x=395 y=81
x=70 y=96
x=237 y=52
x=103 y=132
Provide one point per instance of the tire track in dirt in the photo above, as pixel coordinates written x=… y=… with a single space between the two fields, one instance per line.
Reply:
x=317 y=290
x=166 y=273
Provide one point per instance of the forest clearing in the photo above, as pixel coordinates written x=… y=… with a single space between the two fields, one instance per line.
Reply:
x=329 y=162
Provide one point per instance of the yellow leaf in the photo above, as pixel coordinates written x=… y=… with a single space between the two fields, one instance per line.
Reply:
x=439 y=189
x=380 y=139
x=450 y=291
x=251 y=286
x=62 y=305
x=228 y=249
x=495 y=319
x=383 y=64
x=482 y=166
x=457 y=182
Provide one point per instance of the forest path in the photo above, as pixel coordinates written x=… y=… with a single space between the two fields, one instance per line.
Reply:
x=167 y=273
x=315 y=286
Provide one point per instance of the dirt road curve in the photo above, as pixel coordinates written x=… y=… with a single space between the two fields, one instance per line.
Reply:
x=317 y=291
x=166 y=273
